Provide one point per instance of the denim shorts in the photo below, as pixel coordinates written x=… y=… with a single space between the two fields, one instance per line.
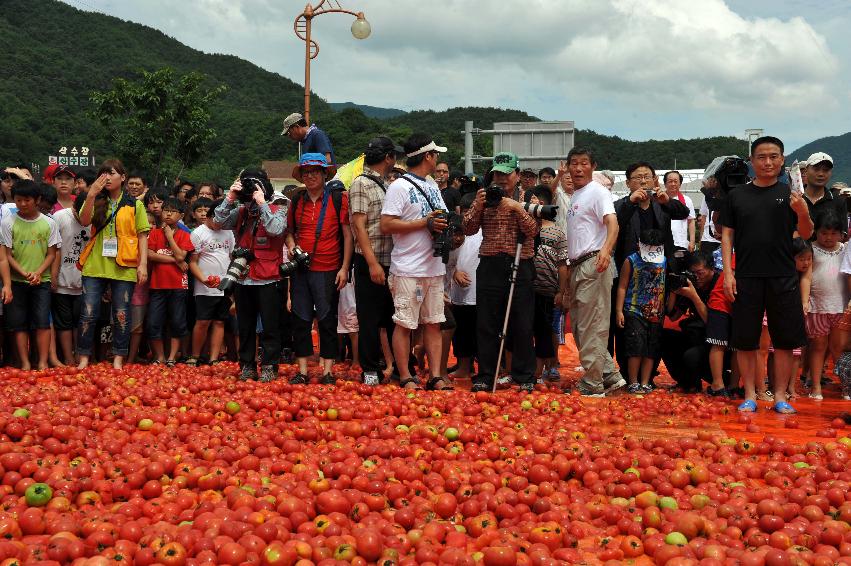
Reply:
x=167 y=305
x=30 y=307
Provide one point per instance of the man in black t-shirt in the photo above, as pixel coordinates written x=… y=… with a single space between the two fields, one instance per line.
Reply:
x=758 y=220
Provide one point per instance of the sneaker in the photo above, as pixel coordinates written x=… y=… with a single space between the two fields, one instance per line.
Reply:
x=370 y=378
x=480 y=386
x=553 y=375
x=268 y=373
x=248 y=372
x=328 y=379
x=527 y=387
x=298 y=379
x=846 y=397
x=647 y=388
x=613 y=382
x=503 y=381
x=634 y=388
x=595 y=395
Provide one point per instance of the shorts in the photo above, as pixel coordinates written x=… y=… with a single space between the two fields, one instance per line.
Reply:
x=779 y=298
x=65 y=310
x=719 y=324
x=167 y=306
x=642 y=338
x=558 y=324
x=30 y=307
x=137 y=318
x=417 y=300
x=208 y=307
x=820 y=324
x=449 y=323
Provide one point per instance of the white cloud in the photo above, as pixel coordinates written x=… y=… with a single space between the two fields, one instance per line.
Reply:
x=639 y=68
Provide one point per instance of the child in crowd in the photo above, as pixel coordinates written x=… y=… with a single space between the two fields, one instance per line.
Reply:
x=66 y=278
x=139 y=310
x=803 y=252
x=719 y=326
x=347 y=320
x=462 y=295
x=826 y=297
x=640 y=308
x=29 y=240
x=64 y=180
x=48 y=200
x=201 y=208
x=154 y=200
x=208 y=265
x=168 y=248
x=549 y=285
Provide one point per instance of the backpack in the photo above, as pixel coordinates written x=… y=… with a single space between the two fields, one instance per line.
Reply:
x=336 y=189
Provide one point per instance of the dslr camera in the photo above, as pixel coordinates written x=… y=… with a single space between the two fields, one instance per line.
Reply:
x=677 y=280
x=494 y=194
x=253 y=179
x=300 y=260
x=237 y=269
x=444 y=242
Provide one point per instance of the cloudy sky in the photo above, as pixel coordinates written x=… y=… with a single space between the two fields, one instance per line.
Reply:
x=639 y=69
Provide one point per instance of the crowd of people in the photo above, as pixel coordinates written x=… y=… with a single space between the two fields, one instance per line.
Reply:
x=412 y=261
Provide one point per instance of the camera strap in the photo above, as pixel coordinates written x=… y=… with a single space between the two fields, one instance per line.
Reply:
x=421 y=191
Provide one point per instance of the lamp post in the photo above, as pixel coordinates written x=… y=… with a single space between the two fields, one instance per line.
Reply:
x=360 y=30
x=751 y=134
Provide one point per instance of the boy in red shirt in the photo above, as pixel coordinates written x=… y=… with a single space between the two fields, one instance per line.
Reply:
x=168 y=248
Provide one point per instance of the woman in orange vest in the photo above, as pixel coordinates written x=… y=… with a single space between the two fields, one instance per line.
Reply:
x=115 y=257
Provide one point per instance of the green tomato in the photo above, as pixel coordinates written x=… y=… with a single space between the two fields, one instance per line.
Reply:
x=675 y=538
x=38 y=494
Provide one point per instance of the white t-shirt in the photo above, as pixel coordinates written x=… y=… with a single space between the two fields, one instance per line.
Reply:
x=586 y=231
x=468 y=262
x=707 y=237
x=827 y=288
x=74 y=238
x=213 y=248
x=8 y=209
x=680 y=227
x=412 y=254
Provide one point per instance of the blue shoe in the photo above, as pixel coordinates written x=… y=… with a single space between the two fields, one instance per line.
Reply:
x=748 y=406
x=784 y=408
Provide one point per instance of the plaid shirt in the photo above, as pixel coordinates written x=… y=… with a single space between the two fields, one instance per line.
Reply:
x=500 y=229
x=366 y=197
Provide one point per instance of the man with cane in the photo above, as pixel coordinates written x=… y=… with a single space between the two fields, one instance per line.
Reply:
x=505 y=225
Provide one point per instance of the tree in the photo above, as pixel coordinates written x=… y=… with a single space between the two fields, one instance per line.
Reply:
x=158 y=123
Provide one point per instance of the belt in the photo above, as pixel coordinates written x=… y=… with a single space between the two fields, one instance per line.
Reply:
x=580 y=259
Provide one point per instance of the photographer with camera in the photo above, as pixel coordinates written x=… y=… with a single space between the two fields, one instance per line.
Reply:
x=371 y=259
x=415 y=214
x=505 y=223
x=320 y=245
x=253 y=275
x=684 y=347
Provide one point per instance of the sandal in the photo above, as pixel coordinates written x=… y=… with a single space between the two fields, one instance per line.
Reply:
x=192 y=362
x=784 y=408
x=411 y=380
x=748 y=406
x=170 y=363
x=439 y=383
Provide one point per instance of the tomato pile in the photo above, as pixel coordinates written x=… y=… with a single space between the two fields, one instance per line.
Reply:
x=155 y=465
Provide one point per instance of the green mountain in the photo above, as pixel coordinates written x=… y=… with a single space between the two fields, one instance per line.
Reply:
x=838 y=147
x=370 y=111
x=54 y=61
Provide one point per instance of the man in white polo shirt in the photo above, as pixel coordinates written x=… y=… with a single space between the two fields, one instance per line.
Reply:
x=591 y=235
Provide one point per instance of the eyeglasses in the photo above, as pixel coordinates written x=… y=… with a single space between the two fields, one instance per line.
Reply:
x=312 y=172
x=700 y=272
x=641 y=178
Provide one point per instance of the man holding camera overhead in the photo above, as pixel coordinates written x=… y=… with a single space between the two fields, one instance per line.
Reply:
x=505 y=224
x=259 y=228
x=414 y=213
x=320 y=245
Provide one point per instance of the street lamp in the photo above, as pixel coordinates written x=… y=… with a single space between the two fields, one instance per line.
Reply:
x=751 y=134
x=360 y=30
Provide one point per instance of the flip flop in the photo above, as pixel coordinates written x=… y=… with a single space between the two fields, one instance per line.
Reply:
x=784 y=408
x=748 y=406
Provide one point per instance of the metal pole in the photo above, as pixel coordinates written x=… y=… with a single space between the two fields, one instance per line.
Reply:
x=513 y=279
x=308 y=19
x=468 y=147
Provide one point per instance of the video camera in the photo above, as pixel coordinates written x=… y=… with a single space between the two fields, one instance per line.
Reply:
x=728 y=172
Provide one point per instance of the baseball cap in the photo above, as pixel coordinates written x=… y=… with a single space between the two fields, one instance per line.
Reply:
x=505 y=162
x=430 y=146
x=528 y=171
x=384 y=144
x=818 y=157
x=309 y=160
x=64 y=170
x=291 y=121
